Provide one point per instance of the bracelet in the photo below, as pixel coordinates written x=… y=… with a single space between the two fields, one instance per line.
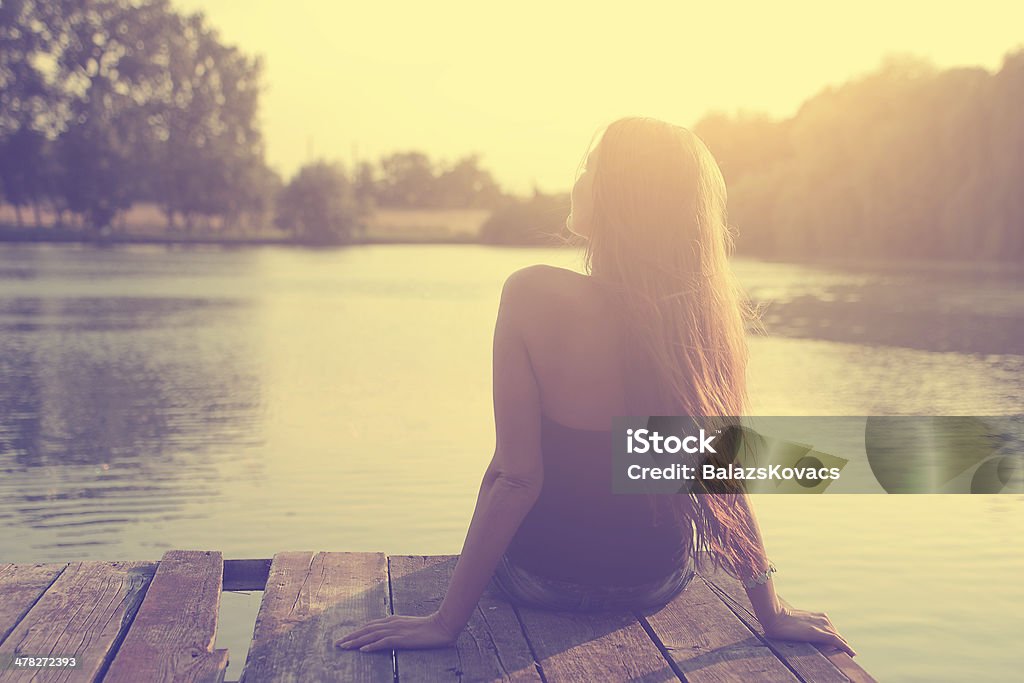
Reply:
x=760 y=579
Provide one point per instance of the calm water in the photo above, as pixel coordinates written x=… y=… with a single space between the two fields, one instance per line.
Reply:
x=258 y=400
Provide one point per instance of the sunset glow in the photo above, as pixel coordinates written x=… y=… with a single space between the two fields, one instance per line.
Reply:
x=527 y=85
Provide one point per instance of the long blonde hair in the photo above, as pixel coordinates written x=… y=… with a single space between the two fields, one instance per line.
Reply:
x=660 y=243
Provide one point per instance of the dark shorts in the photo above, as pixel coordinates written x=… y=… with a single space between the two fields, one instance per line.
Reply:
x=522 y=587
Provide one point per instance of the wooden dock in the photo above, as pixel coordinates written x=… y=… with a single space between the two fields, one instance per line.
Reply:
x=143 y=622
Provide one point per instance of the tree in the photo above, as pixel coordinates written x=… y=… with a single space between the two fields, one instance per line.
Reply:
x=99 y=173
x=365 y=186
x=318 y=206
x=104 y=103
x=212 y=154
x=539 y=219
x=111 y=68
x=466 y=185
x=905 y=161
x=406 y=180
x=23 y=172
x=29 y=104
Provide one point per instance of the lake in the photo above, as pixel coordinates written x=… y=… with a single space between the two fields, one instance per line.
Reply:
x=254 y=400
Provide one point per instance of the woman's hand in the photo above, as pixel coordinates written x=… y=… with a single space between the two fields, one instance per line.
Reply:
x=801 y=625
x=399 y=633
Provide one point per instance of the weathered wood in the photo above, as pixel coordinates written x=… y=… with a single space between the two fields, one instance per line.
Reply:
x=707 y=642
x=599 y=646
x=246 y=575
x=491 y=648
x=811 y=662
x=709 y=633
x=311 y=600
x=20 y=587
x=84 y=613
x=172 y=636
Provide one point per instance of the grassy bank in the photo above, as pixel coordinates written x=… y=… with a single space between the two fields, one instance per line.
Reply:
x=14 y=234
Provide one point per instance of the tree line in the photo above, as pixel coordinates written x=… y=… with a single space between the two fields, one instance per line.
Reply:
x=905 y=162
x=105 y=104
x=325 y=203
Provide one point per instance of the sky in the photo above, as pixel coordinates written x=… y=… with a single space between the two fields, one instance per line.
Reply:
x=526 y=85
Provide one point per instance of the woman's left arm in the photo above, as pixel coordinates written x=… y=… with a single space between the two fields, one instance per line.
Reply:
x=509 y=488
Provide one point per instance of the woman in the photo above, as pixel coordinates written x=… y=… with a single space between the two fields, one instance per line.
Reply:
x=657 y=327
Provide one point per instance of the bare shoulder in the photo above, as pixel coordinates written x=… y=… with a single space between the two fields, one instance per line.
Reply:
x=548 y=298
x=544 y=278
x=541 y=272
x=542 y=289
x=572 y=339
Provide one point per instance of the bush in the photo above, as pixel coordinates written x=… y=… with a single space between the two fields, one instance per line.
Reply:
x=539 y=220
x=318 y=206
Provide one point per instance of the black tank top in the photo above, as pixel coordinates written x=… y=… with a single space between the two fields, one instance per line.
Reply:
x=580 y=531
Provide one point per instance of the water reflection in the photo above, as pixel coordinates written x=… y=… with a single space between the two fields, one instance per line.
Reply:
x=973 y=311
x=259 y=400
x=118 y=411
x=146 y=385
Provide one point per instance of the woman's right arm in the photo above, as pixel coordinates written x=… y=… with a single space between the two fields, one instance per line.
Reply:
x=783 y=622
x=779 y=619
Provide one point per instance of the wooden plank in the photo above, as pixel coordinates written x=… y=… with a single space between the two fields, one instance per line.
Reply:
x=84 y=614
x=172 y=636
x=812 y=662
x=708 y=642
x=492 y=647
x=311 y=600
x=596 y=646
x=246 y=575
x=20 y=586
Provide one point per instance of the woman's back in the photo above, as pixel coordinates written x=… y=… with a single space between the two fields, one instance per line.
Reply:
x=575 y=342
x=578 y=530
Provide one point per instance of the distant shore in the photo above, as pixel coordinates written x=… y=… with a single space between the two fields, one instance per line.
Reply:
x=51 y=235
x=10 y=234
